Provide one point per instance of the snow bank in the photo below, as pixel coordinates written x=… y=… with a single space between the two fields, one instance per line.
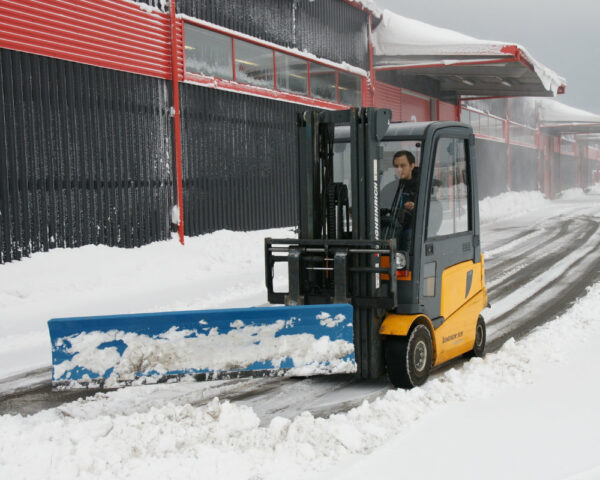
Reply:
x=208 y=272
x=538 y=395
x=223 y=440
x=593 y=189
x=511 y=204
x=571 y=193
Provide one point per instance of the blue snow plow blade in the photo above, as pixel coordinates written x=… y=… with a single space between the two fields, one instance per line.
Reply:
x=118 y=350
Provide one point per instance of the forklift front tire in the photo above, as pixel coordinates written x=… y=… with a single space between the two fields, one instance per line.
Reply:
x=409 y=359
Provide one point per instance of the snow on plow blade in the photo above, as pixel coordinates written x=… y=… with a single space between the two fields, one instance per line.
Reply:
x=120 y=350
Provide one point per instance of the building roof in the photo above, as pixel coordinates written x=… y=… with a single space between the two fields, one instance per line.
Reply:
x=559 y=119
x=460 y=64
x=368 y=5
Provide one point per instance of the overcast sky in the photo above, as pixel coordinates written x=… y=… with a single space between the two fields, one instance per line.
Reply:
x=563 y=35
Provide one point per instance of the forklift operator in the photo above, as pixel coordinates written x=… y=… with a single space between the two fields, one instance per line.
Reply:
x=408 y=174
x=398 y=220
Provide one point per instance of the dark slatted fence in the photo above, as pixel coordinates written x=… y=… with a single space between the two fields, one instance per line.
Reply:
x=85 y=156
x=524 y=174
x=239 y=161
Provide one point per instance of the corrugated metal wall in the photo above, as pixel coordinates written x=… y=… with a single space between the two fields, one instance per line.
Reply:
x=492 y=168
x=111 y=33
x=85 y=152
x=405 y=106
x=330 y=29
x=239 y=161
x=568 y=172
x=84 y=156
x=524 y=174
x=333 y=29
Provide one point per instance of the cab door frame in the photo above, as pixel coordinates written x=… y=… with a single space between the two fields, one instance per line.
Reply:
x=442 y=252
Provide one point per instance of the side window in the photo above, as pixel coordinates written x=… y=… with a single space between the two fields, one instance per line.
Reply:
x=208 y=52
x=449 y=209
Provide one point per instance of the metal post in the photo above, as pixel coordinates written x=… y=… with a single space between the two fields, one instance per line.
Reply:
x=294 y=281
x=176 y=117
x=340 y=277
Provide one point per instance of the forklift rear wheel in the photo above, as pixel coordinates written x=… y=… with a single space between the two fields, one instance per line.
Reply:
x=480 y=337
x=409 y=359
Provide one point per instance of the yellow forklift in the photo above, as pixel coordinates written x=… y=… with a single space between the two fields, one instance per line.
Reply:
x=414 y=277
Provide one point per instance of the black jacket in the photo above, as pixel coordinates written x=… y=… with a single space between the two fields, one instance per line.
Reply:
x=409 y=188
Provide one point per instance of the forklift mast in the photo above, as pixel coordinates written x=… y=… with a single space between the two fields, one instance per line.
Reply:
x=337 y=257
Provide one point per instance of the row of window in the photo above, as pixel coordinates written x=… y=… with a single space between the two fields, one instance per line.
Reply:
x=483 y=124
x=567 y=145
x=494 y=127
x=522 y=134
x=222 y=56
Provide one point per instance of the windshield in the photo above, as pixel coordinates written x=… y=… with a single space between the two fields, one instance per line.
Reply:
x=397 y=196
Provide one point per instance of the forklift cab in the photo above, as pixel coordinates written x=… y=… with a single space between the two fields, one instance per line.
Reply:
x=443 y=229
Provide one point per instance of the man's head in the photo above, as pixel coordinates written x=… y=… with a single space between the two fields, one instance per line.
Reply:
x=404 y=163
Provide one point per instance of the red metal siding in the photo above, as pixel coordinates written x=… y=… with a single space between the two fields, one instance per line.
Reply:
x=415 y=108
x=405 y=106
x=447 y=111
x=388 y=96
x=112 y=33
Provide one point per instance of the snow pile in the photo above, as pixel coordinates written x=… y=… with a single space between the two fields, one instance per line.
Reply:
x=183 y=351
x=223 y=440
x=593 y=189
x=208 y=272
x=571 y=193
x=511 y=204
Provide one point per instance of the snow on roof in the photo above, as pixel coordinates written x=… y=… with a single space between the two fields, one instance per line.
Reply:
x=405 y=42
x=366 y=4
x=552 y=111
x=559 y=119
x=398 y=35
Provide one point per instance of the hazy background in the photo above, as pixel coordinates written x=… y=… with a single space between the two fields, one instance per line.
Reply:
x=564 y=36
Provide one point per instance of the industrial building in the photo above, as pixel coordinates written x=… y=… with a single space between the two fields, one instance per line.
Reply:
x=123 y=120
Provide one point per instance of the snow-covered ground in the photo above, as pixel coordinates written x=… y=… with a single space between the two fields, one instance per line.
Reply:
x=220 y=270
x=528 y=410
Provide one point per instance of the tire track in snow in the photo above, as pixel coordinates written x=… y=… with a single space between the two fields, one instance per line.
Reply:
x=531 y=247
x=545 y=256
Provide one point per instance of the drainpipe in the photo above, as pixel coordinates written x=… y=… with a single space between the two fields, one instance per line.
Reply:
x=176 y=117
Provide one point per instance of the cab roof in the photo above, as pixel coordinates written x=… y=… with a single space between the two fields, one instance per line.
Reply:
x=408 y=130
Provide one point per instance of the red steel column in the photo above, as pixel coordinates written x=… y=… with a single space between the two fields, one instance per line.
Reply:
x=507 y=138
x=547 y=167
x=176 y=118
